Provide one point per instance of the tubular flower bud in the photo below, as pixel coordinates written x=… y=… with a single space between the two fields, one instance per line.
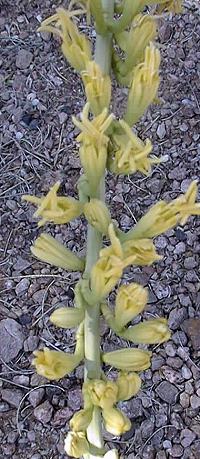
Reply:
x=54 y=365
x=163 y=216
x=128 y=359
x=97 y=87
x=76 y=444
x=97 y=215
x=129 y=385
x=130 y=301
x=53 y=208
x=81 y=420
x=116 y=422
x=94 y=142
x=142 y=31
x=101 y=393
x=67 y=317
x=130 y=154
x=144 y=85
x=143 y=250
x=148 y=332
x=48 y=249
x=75 y=46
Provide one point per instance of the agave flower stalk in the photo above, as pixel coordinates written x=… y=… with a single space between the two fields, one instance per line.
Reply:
x=107 y=144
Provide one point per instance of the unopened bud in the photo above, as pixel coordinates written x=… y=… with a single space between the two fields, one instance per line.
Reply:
x=128 y=359
x=97 y=215
x=148 y=332
x=116 y=422
x=81 y=420
x=67 y=317
x=128 y=385
x=76 y=444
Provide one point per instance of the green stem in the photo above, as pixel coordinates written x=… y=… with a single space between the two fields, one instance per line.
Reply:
x=94 y=243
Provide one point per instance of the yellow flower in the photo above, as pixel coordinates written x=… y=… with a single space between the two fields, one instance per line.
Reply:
x=116 y=422
x=97 y=215
x=142 y=31
x=48 y=249
x=185 y=205
x=113 y=259
x=54 y=364
x=53 y=208
x=104 y=275
x=142 y=251
x=81 y=420
x=76 y=444
x=67 y=317
x=94 y=142
x=97 y=87
x=75 y=46
x=128 y=385
x=148 y=332
x=163 y=216
x=130 y=154
x=101 y=393
x=128 y=359
x=108 y=269
x=144 y=85
x=131 y=299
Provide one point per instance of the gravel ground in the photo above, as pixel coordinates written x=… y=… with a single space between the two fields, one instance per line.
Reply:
x=39 y=93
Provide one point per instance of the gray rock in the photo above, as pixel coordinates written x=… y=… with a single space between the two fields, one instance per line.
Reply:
x=4 y=407
x=161 y=131
x=132 y=408
x=167 y=444
x=184 y=400
x=44 y=412
x=186 y=373
x=170 y=349
x=160 y=455
x=187 y=437
x=21 y=264
x=167 y=392
x=195 y=401
x=180 y=248
x=61 y=417
x=36 y=396
x=176 y=317
x=12 y=396
x=22 y=286
x=23 y=59
x=196 y=429
x=21 y=379
x=11 y=339
x=74 y=399
x=192 y=327
x=177 y=451
x=147 y=428
x=190 y=263
x=31 y=343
